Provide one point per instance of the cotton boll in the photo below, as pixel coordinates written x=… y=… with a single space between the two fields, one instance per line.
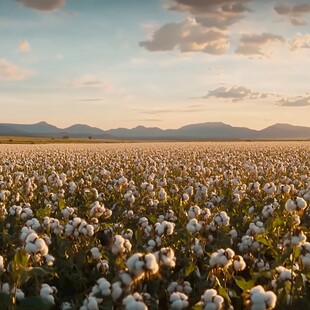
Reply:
x=95 y=253
x=1 y=264
x=116 y=291
x=301 y=203
x=20 y=295
x=239 y=263
x=90 y=303
x=193 y=226
x=151 y=263
x=49 y=260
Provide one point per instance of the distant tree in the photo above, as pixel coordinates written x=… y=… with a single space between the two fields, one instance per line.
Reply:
x=65 y=137
x=90 y=137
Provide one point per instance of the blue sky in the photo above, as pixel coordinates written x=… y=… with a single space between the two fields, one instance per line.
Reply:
x=164 y=63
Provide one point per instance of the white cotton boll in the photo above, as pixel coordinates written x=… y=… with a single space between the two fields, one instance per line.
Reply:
x=185 y=197
x=233 y=234
x=257 y=289
x=125 y=278
x=104 y=286
x=290 y=205
x=151 y=263
x=69 y=229
x=222 y=260
x=132 y=260
x=301 y=203
x=49 y=260
x=239 y=263
x=1 y=264
x=116 y=291
x=162 y=195
x=5 y=288
x=193 y=226
x=40 y=245
x=258 y=306
x=95 y=253
x=31 y=237
x=258 y=297
x=91 y=303
x=176 y=305
x=19 y=294
x=210 y=306
x=45 y=290
x=213 y=259
x=172 y=287
x=218 y=300
x=174 y=297
x=208 y=295
x=230 y=253
x=30 y=248
x=90 y=230
x=46 y=293
x=270 y=299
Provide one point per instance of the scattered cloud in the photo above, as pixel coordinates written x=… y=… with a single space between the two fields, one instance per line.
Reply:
x=185 y=109
x=300 y=101
x=24 y=46
x=90 y=81
x=43 y=5
x=90 y=99
x=150 y=120
x=212 y=13
x=187 y=36
x=235 y=93
x=295 y=13
x=257 y=44
x=12 y=72
x=300 y=42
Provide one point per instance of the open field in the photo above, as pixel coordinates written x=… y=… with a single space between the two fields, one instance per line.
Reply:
x=40 y=140
x=35 y=140
x=209 y=225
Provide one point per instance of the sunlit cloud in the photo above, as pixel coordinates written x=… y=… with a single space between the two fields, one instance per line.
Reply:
x=300 y=42
x=24 y=46
x=300 y=101
x=12 y=72
x=235 y=93
x=295 y=13
x=187 y=36
x=90 y=81
x=257 y=44
x=43 y=5
x=212 y=13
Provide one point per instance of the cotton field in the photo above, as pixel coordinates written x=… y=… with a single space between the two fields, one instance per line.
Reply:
x=155 y=226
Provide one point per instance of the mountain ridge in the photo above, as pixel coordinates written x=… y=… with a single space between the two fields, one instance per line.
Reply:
x=198 y=131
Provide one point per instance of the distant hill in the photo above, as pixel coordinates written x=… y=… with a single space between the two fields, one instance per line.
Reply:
x=202 y=131
x=284 y=131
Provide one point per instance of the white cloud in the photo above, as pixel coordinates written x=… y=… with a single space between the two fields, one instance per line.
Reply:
x=295 y=13
x=300 y=42
x=212 y=13
x=12 y=72
x=43 y=5
x=257 y=44
x=300 y=101
x=24 y=46
x=90 y=81
x=235 y=93
x=187 y=36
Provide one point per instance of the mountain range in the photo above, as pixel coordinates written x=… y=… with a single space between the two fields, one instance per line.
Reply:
x=202 y=131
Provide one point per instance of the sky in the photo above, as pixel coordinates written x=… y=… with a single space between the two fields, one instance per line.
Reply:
x=157 y=63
